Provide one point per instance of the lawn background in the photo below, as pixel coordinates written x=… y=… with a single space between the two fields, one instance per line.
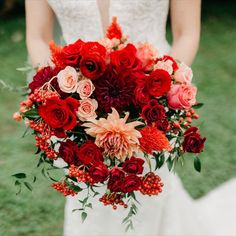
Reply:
x=33 y=214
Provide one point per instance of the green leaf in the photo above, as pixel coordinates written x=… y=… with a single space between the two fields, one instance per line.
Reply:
x=18 y=183
x=95 y=194
x=198 y=105
x=170 y=163
x=89 y=205
x=28 y=186
x=34 y=179
x=197 y=164
x=83 y=216
x=75 y=188
x=20 y=175
x=160 y=159
x=31 y=114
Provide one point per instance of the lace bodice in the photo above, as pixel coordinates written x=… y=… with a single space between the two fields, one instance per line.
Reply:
x=142 y=20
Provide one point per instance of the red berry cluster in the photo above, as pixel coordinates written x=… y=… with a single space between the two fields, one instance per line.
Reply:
x=43 y=138
x=151 y=184
x=80 y=175
x=113 y=199
x=63 y=188
x=189 y=116
x=42 y=95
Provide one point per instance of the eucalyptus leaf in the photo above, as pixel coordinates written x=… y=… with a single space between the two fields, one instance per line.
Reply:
x=197 y=164
x=20 y=175
x=28 y=186
x=83 y=216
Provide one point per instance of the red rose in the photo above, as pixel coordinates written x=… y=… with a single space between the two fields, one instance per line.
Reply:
x=133 y=165
x=59 y=114
x=90 y=153
x=42 y=76
x=72 y=53
x=193 y=142
x=153 y=112
x=92 y=64
x=131 y=183
x=141 y=96
x=126 y=58
x=68 y=151
x=99 y=172
x=117 y=173
x=158 y=83
x=116 y=178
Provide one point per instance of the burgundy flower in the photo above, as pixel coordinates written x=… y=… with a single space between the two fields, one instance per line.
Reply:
x=42 y=76
x=89 y=153
x=131 y=183
x=193 y=142
x=116 y=179
x=133 y=165
x=114 y=89
x=99 y=172
x=68 y=151
x=154 y=113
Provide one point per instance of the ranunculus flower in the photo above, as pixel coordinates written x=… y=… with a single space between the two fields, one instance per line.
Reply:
x=68 y=80
x=92 y=64
x=183 y=74
x=68 y=151
x=131 y=183
x=68 y=55
x=153 y=112
x=89 y=153
x=59 y=114
x=158 y=83
x=147 y=54
x=133 y=165
x=85 y=88
x=182 y=96
x=99 y=173
x=126 y=58
x=87 y=109
x=193 y=142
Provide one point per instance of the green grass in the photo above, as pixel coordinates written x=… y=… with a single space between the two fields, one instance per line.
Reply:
x=41 y=211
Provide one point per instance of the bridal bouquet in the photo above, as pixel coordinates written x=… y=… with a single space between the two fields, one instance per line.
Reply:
x=114 y=112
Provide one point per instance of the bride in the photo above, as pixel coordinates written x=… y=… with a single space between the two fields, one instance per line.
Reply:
x=173 y=212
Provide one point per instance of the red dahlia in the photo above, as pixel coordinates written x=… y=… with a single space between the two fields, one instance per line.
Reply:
x=115 y=89
x=42 y=76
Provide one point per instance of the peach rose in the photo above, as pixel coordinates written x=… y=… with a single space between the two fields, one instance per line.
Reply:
x=85 y=88
x=109 y=43
x=87 y=109
x=183 y=74
x=182 y=96
x=147 y=54
x=165 y=65
x=68 y=80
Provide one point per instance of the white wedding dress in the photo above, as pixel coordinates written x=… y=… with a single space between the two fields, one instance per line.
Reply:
x=173 y=212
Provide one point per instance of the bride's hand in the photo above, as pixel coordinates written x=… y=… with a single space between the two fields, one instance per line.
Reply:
x=185 y=24
x=39 y=31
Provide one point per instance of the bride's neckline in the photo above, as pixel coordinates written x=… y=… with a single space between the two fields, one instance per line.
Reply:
x=103 y=9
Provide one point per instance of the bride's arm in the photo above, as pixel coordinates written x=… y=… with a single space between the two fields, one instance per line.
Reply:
x=185 y=24
x=39 y=30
